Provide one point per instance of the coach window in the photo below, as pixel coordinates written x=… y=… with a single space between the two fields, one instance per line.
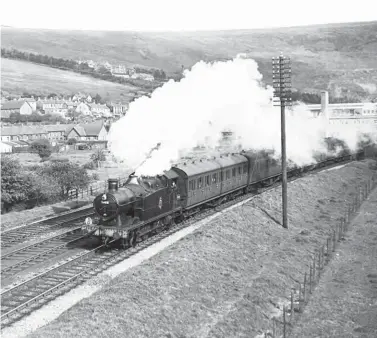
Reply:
x=245 y=169
x=200 y=182
x=239 y=171
x=214 y=178
x=222 y=174
x=234 y=172
x=207 y=180
x=228 y=174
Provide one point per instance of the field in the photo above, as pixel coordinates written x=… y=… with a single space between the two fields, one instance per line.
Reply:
x=19 y=76
x=228 y=278
x=337 y=57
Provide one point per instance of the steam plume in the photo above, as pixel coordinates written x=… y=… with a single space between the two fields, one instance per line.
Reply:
x=210 y=98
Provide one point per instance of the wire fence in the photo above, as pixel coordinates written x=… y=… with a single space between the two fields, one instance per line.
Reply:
x=281 y=327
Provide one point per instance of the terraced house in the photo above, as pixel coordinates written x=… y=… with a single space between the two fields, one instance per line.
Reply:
x=30 y=133
x=21 y=107
x=99 y=109
x=53 y=106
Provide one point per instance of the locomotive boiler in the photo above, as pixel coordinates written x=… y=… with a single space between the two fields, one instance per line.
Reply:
x=133 y=210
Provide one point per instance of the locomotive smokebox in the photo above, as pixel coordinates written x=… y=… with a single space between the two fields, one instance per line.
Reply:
x=112 y=184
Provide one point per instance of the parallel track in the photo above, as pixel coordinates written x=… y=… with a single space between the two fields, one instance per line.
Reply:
x=21 y=259
x=19 y=235
x=24 y=298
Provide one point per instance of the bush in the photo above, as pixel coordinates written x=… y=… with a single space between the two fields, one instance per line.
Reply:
x=89 y=165
x=95 y=177
x=72 y=141
x=42 y=147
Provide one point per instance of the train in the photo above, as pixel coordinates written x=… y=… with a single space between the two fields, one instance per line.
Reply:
x=144 y=205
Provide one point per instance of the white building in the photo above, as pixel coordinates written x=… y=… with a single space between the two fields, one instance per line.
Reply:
x=346 y=117
x=5 y=147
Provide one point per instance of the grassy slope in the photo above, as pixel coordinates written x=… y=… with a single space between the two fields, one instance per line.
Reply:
x=227 y=278
x=19 y=76
x=324 y=56
x=339 y=309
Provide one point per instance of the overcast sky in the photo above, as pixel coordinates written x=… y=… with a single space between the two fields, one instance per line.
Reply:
x=176 y=15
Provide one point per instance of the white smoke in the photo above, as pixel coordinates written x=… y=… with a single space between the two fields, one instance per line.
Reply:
x=210 y=98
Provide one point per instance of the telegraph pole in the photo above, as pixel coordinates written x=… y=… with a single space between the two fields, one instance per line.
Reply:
x=281 y=78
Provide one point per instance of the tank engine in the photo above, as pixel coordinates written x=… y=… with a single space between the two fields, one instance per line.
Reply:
x=129 y=212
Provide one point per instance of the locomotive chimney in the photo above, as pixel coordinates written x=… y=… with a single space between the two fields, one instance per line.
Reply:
x=112 y=184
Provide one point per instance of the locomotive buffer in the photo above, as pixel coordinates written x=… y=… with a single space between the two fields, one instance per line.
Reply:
x=281 y=79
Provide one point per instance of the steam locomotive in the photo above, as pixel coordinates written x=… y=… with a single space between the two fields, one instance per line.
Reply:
x=144 y=205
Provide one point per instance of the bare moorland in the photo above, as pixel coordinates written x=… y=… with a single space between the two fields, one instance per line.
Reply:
x=337 y=57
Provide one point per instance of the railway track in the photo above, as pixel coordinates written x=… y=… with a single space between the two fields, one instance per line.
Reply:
x=19 y=260
x=33 y=293
x=19 y=235
x=29 y=295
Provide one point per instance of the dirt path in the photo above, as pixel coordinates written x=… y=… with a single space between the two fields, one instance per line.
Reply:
x=345 y=302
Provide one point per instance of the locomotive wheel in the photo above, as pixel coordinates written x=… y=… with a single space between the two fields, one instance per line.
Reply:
x=134 y=239
x=105 y=241
x=124 y=243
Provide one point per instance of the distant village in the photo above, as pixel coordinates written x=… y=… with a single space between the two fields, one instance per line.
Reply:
x=79 y=117
x=123 y=71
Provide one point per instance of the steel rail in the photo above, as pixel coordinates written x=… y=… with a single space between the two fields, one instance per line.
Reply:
x=18 y=235
x=39 y=254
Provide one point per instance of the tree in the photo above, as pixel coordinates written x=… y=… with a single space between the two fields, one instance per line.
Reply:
x=67 y=175
x=42 y=147
x=72 y=141
x=97 y=157
x=14 y=183
x=98 y=98
x=42 y=188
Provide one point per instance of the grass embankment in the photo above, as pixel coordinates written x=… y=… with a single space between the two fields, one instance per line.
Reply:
x=345 y=302
x=228 y=278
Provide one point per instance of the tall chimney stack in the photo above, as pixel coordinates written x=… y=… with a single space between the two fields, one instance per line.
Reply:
x=325 y=103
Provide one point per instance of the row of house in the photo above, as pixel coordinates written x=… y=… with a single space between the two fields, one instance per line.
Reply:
x=28 y=106
x=119 y=70
x=16 y=136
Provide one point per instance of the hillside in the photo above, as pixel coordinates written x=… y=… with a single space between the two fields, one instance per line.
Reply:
x=338 y=57
x=19 y=76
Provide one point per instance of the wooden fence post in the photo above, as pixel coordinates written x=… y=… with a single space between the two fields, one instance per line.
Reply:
x=310 y=279
x=292 y=307
x=327 y=250
x=333 y=237
x=299 y=298
x=284 y=322
x=304 y=288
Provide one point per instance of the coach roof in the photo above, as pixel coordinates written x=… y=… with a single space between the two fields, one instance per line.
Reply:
x=192 y=168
